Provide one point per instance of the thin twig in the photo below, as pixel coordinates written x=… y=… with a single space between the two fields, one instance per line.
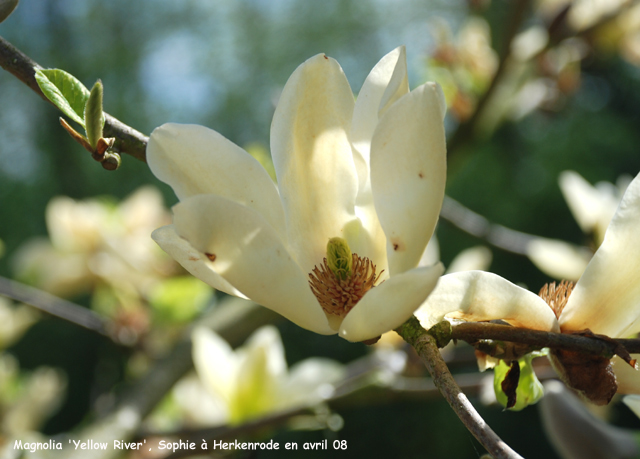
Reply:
x=426 y=347
x=474 y=331
x=54 y=306
x=476 y=225
x=128 y=140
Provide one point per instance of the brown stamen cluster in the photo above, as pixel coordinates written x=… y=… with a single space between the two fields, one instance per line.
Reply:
x=338 y=296
x=556 y=297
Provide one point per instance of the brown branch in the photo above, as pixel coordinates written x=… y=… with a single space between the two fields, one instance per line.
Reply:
x=476 y=225
x=474 y=331
x=54 y=306
x=426 y=347
x=128 y=140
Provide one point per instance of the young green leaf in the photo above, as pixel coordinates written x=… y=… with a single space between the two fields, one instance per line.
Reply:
x=65 y=91
x=93 y=115
x=529 y=389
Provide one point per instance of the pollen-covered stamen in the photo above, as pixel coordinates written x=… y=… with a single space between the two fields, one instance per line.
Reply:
x=556 y=296
x=338 y=296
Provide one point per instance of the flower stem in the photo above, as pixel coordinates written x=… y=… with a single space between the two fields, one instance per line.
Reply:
x=425 y=345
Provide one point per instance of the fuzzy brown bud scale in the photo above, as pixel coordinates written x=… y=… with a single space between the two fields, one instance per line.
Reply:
x=338 y=296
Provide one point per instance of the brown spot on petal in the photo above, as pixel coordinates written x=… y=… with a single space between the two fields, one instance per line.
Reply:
x=211 y=256
x=192 y=258
x=420 y=174
x=325 y=56
x=397 y=244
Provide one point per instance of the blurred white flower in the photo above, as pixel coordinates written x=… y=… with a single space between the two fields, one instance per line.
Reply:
x=27 y=400
x=592 y=207
x=14 y=321
x=94 y=243
x=252 y=381
x=370 y=172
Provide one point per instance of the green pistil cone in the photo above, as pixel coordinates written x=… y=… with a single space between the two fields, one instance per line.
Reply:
x=339 y=257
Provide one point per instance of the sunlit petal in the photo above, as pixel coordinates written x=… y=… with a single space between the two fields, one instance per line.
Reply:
x=606 y=299
x=214 y=362
x=558 y=259
x=479 y=296
x=193 y=261
x=390 y=304
x=627 y=377
x=313 y=159
x=248 y=253
x=408 y=171
x=197 y=160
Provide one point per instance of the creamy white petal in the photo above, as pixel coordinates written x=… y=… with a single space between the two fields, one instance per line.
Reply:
x=310 y=381
x=197 y=160
x=313 y=159
x=248 y=253
x=558 y=259
x=193 y=261
x=627 y=377
x=408 y=173
x=582 y=198
x=471 y=259
x=386 y=83
x=214 y=362
x=390 y=304
x=268 y=338
x=606 y=299
x=481 y=296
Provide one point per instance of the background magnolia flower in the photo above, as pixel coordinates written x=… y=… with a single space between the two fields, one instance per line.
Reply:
x=235 y=386
x=371 y=172
x=592 y=207
x=606 y=299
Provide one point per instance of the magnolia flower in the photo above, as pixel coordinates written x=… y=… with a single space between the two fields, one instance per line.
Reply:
x=369 y=173
x=606 y=299
x=592 y=207
x=235 y=386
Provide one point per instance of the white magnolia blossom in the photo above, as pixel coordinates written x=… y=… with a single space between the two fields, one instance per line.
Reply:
x=606 y=299
x=234 y=386
x=371 y=172
x=592 y=207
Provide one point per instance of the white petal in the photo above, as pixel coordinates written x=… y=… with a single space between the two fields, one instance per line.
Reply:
x=268 y=338
x=193 y=261
x=198 y=405
x=583 y=199
x=471 y=259
x=390 y=304
x=310 y=381
x=312 y=157
x=249 y=255
x=386 y=83
x=480 y=296
x=606 y=299
x=408 y=173
x=627 y=377
x=558 y=259
x=214 y=362
x=197 y=160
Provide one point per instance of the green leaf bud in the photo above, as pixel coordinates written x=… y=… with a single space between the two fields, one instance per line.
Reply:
x=93 y=115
